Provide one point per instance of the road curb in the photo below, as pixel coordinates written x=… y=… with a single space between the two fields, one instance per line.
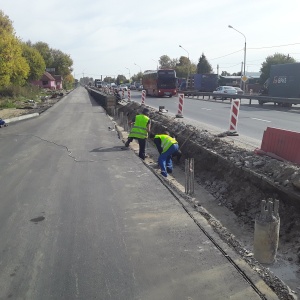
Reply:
x=20 y=118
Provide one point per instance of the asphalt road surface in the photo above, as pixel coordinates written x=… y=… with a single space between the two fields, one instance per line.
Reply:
x=82 y=219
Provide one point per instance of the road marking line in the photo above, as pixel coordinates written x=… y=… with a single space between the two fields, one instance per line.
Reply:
x=261 y=120
x=206 y=108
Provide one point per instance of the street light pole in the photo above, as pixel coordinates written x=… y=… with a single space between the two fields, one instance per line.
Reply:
x=245 y=47
x=156 y=63
x=139 y=67
x=129 y=73
x=188 y=75
x=139 y=78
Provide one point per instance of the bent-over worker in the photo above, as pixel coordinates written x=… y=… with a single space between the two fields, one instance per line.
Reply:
x=167 y=146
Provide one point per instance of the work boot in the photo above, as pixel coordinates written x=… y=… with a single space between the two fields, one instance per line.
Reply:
x=163 y=173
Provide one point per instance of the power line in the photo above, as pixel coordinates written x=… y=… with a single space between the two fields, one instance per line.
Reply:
x=231 y=66
x=256 y=49
x=227 y=54
x=274 y=46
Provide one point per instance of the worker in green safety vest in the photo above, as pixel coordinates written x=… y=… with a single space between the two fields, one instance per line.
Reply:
x=167 y=146
x=139 y=131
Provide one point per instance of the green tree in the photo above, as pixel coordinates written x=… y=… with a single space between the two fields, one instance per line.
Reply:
x=54 y=58
x=45 y=51
x=203 y=66
x=35 y=61
x=61 y=62
x=225 y=73
x=185 y=67
x=275 y=59
x=108 y=79
x=121 y=79
x=165 y=62
x=137 y=77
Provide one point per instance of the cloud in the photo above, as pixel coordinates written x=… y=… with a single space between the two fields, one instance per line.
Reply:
x=103 y=37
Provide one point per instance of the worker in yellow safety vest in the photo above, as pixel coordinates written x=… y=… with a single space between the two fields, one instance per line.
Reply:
x=167 y=147
x=139 y=131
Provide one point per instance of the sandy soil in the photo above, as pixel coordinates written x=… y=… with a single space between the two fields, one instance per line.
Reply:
x=8 y=113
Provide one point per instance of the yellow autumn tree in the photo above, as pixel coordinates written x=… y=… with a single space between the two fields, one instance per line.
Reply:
x=68 y=81
x=14 y=68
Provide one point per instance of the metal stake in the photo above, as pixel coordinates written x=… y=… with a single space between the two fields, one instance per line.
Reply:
x=189 y=176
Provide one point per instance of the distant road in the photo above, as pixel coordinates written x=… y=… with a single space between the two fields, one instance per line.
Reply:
x=252 y=121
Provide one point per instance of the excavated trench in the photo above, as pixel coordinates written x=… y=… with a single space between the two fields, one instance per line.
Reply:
x=237 y=177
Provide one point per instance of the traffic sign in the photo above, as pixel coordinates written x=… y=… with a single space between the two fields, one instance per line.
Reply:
x=244 y=78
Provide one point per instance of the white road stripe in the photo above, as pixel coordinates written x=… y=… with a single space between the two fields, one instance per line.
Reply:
x=261 y=120
x=206 y=108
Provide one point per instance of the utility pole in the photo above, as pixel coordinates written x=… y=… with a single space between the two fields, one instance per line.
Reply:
x=245 y=47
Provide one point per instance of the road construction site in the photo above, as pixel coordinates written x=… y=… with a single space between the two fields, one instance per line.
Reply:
x=230 y=183
x=238 y=180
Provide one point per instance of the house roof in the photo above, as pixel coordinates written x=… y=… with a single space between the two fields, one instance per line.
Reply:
x=58 y=77
x=47 y=76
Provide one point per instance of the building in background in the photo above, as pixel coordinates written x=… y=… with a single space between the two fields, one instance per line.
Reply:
x=48 y=81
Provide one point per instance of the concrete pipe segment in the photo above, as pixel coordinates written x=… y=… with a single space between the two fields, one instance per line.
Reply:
x=266 y=234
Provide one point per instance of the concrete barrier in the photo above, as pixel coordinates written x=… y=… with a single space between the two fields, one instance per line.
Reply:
x=105 y=100
x=283 y=143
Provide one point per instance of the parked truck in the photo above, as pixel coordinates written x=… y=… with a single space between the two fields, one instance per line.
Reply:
x=283 y=83
x=200 y=83
x=98 y=83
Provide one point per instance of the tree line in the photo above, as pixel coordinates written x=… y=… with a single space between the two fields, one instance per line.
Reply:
x=21 y=62
x=183 y=66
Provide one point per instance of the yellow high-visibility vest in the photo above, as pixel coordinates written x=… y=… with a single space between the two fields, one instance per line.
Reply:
x=139 y=129
x=166 y=141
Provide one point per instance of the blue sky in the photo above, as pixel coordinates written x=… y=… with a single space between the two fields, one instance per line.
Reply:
x=111 y=37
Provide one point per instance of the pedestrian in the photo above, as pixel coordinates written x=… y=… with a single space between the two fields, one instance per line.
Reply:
x=167 y=147
x=139 y=131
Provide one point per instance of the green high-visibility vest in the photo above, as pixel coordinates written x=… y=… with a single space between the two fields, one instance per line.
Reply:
x=139 y=129
x=166 y=141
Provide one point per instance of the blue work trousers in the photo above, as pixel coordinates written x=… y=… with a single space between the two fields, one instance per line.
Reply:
x=165 y=160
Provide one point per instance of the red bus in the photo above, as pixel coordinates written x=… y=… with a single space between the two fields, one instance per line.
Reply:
x=160 y=83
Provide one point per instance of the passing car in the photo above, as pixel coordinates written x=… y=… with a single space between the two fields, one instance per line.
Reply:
x=140 y=88
x=227 y=91
x=123 y=87
x=239 y=91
